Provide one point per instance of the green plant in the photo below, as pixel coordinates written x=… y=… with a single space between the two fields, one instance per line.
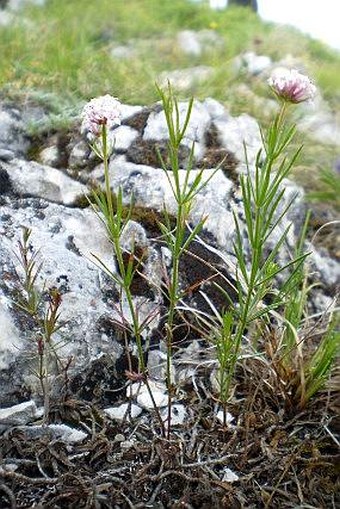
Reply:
x=44 y=307
x=178 y=238
x=99 y=115
x=262 y=194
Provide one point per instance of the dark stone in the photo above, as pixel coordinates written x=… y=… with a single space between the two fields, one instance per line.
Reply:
x=139 y=120
x=148 y=152
x=201 y=270
x=150 y=219
x=5 y=182
x=70 y=245
x=99 y=382
x=223 y=159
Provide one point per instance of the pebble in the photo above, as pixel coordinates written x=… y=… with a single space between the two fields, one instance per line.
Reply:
x=230 y=418
x=122 y=412
x=143 y=397
x=60 y=431
x=229 y=475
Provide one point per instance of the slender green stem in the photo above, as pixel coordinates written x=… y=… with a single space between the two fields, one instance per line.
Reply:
x=115 y=224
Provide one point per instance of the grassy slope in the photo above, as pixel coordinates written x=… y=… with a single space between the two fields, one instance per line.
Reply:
x=64 y=49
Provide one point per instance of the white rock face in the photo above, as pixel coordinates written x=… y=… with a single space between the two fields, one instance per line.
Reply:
x=66 y=239
x=229 y=417
x=60 y=431
x=11 y=131
x=79 y=155
x=18 y=415
x=145 y=401
x=156 y=127
x=49 y=156
x=33 y=179
x=320 y=122
x=157 y=364
x=239 y=133
x=189 y=43
x=196 y=43
x=252 y=63
x=10 y=343
x=229 y=475
x=123 y=137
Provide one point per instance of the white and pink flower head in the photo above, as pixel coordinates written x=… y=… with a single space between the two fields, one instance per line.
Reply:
x=104 y=110
x=292 y=86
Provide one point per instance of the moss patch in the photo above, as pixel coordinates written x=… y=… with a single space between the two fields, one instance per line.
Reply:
x=148 y=152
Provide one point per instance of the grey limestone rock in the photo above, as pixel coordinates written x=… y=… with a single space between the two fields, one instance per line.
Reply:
x=49 y=156
x=123 y=411
x=69 y=239
x=55 y=431
x=185 y=79
x=12 y=130
x=179 y=414
x=9 y=334
x=144 y=399
x=196 y=43
x=252 y=63
x=17 y=415
x=156 y=127
x=32 y=179
x=320 y=122
x=123 y=52
x=66 y=239
x=240 y=135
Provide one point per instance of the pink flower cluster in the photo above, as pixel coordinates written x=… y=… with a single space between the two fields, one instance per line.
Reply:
x=292 y=86
x=104 y=110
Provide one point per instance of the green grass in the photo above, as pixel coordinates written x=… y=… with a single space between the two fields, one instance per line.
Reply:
x=61 y=53
x=65 y=47
x=68 y=46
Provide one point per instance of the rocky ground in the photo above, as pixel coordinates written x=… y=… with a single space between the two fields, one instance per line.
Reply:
x=102 y=446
